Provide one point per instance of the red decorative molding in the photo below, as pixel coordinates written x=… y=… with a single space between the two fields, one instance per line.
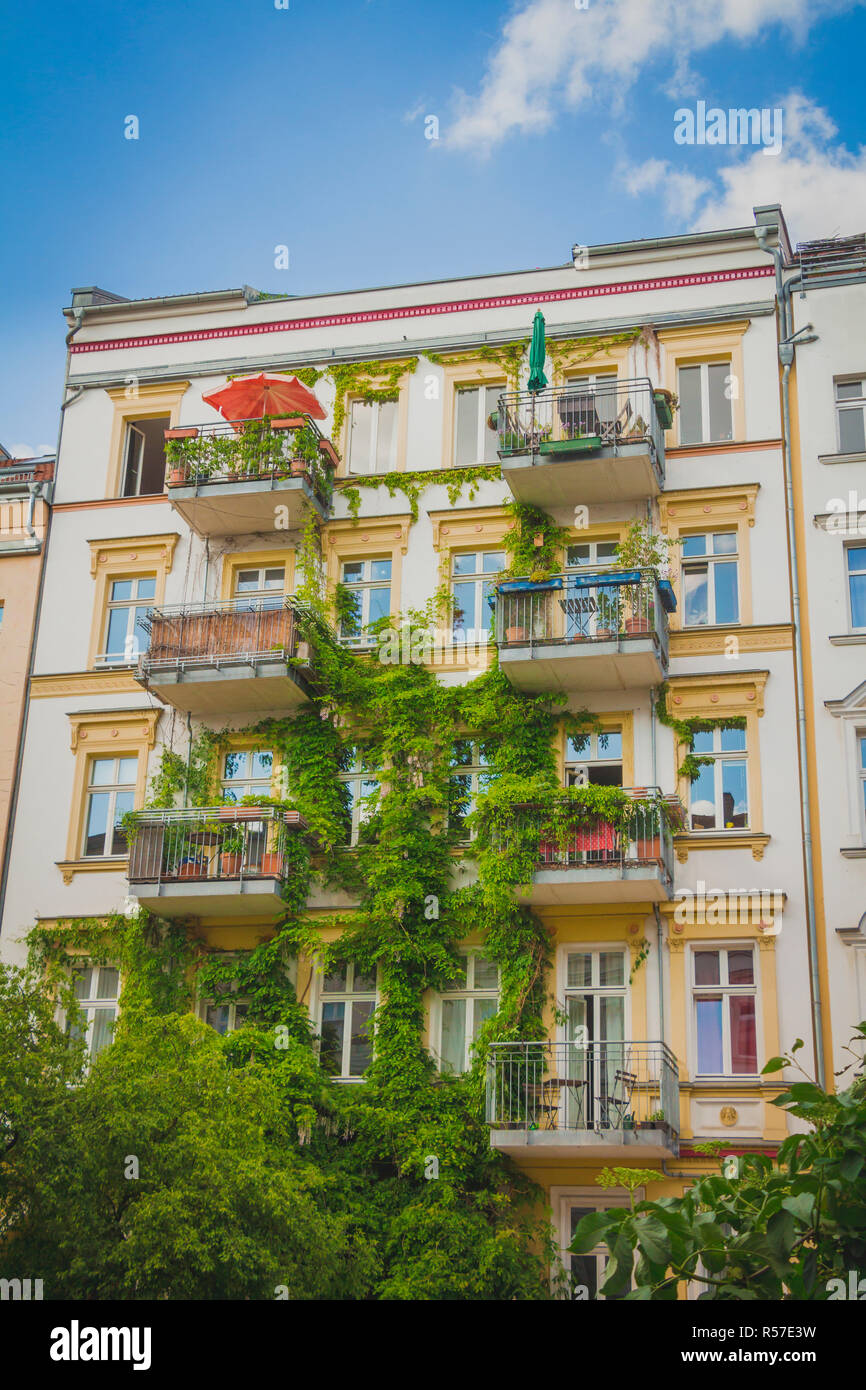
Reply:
x=414 y=311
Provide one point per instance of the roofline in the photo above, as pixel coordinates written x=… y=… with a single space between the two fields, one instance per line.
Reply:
x=214 y=298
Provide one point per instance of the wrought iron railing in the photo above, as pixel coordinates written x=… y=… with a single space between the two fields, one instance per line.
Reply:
x=243 y=631
x=566 y=836
x=226 y=843
x=263 y=450
x=578 y=416
x=597 y=605
x=585 y=1085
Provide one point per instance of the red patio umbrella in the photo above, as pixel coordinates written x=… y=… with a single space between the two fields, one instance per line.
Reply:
x=251 y=397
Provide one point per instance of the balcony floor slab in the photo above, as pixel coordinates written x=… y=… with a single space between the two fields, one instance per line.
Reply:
x=625 y=474
x=640 y=883
x=623 y=663
x=212 y=690
x=244 y=508
x=249 y=897
x=583 y=1145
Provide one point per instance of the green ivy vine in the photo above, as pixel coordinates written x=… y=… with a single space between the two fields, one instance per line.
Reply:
x=685 y=730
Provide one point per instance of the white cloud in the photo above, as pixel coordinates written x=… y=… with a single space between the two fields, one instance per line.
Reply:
x=553 y=56
x=22 y=451
x=815 y=180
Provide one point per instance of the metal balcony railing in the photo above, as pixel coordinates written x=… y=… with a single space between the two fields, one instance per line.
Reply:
x=580 y=417
x=566 y=837
x=241 y=631
x=246 y=450
x=225 y=843
x=583 y=1085
x=596 y=605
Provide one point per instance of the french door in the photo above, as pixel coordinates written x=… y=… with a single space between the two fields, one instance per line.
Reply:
x=595 y=1008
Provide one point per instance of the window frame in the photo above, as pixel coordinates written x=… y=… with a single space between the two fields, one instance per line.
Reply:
x=110 y=789
x=249 y=751
x=860 y=746
x=93 y=1004
x=594 y=759
x=710 y=559
x=726 y=991
x=482 y=387
x=563 y=1200
x=477 y=768
x=376 y=406
x=684 y=364
x=479 y=632
x=132 y=605
x=348 y=996
x=468 y=993
x=849 y=406
x=720 y=756
x=848 y=548
x=364 y=587
x=356 y=775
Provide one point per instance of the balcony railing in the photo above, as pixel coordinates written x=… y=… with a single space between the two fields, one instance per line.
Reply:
x=598 y=605
x=228 y=844
x=580 y=418
x=237 y=632
x=243 y=451
x=568 y=837
x=596 y=1087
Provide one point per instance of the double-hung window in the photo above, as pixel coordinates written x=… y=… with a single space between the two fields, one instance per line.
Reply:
x=594 y=759
x=470 y=775
x=110 y=794
x=372 y=436
x=347 y=1005
x=247 y=772
x=126 y=629
x=472 y=579
x=263 y=586
x=850 y=412
x=228 y=1010
x=367 y=584
x=96 y=990
x=359 y=789
x=855 y=560
x=723 y=990
x=475 y=441
x=465 y=1004
x=719 y=796
x=705 y=403
x=710 y=579
x=585 y=1273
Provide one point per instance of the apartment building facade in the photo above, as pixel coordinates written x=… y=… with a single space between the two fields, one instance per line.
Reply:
x=680 y=948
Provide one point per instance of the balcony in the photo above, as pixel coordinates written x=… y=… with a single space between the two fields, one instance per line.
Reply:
x=221 y=860
x=229 y=479
x=580 y=856
x=578 y=444
x=591 y=1100
x=240 y=656
x=599 y=630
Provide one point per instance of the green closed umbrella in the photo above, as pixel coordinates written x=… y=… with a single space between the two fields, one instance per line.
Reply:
x=537 y=353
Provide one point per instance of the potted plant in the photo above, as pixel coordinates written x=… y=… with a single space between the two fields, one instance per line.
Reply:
x=642 y=549
x=299 y=467
x=232 y=853
x=665 y=403
x=654 y=1121
x=493 y=421
x=607 y=615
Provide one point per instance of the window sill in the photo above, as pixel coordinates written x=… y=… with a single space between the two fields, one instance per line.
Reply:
x=731 y=839
x=848 y=639
x=70 y=867
x=842 y=458
x=857 y=852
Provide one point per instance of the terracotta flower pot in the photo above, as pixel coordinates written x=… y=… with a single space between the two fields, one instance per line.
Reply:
x=190 y=868
x=177 y=475
x=515 y=634
x=230 y=865
x=272 y=865
x=299 y=468
x=182 y=432
x=641 y=624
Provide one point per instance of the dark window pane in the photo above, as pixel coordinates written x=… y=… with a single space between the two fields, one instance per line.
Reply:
x=333 y=1027
x=707 y=968
x=741 y=969
x=361 y=1044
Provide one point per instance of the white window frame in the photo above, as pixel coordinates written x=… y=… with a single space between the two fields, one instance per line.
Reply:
x=562 y=1201
x=476 y=769
x=252 y=786
x=132 y=428
x=576 y=771
x=132 y=648
x=860 y=745
x=482 y=415
x=719 y=757
x=479 y=631
x=364 y=587
x=706 y=435
x=469 y=994
x=710 y=560
x=356 y=776
x=849 y=405
x=855 y=545
x=349 y=996
x=110 y=789
x=93 y=1004
x=726 y=990
x=264 y=589
x=565 y=992
x=372 y=465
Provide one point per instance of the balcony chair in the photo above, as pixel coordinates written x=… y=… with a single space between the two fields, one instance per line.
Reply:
x=614 y=1106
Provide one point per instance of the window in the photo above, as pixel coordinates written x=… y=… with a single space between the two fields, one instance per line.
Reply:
x=265 y=586
x=474 y=440
x=126 y=629
x=110 y=793
x=705 y=403
x=855 y=557
x=372 y=436
x=592 y=553
x=719 y=798
x=709 y=579
x=247 y=772
x=586 y=1272
x=470 y=775
x=144 y=457
x=472 y=584
x=359 y=790
x=724 y=1011
x=348 y=1002
x=368 y=583
x=596 y=985
x=96 y=991
x=850 y=406
x=592 y=610
x=465 y=1005
x=228 y=1011
x=861 y=750
x=2 y=611
x=592 y=409
x=594 y=759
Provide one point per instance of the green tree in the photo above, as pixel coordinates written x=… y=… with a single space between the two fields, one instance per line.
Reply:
x=760 y=1229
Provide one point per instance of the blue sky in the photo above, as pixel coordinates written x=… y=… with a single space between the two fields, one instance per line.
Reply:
x=306 y=127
